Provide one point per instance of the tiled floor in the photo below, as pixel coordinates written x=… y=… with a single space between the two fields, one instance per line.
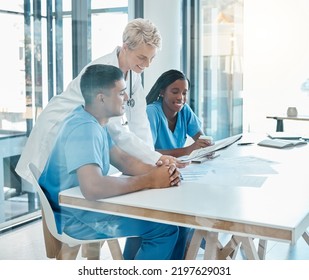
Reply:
x=26 y=243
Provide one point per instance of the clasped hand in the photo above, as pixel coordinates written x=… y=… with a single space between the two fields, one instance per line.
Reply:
x=173 y=172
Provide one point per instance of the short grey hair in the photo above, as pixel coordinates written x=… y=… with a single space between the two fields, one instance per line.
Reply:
x=139 y=31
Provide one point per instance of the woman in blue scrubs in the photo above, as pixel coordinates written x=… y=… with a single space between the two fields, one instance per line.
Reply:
x=171 y=119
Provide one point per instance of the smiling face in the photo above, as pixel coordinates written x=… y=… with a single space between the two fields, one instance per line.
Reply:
x=174 y=97
x=139 y=58
x=115 y=100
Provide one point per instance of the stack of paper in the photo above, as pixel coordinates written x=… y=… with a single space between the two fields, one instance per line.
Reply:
x=280 y=143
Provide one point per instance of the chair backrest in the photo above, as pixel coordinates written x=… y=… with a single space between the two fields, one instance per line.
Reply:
x=48 y=211
x=50 y=223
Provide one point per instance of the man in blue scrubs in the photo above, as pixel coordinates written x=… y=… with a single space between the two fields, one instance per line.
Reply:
x=81 y=157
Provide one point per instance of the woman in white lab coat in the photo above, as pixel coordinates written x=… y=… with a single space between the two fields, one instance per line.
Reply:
x=141 y=41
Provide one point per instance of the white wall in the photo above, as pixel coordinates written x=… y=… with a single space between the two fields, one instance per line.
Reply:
x=276 y=61
x=166 y=15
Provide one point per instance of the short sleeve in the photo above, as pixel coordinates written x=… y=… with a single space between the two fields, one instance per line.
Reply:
x=193 y=122
x=154 y=121
x=87 y=144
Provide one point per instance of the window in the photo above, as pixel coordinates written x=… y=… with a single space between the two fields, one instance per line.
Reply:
x=215 y=65
x=37 y=63
x=107 y=25
x=222 y=67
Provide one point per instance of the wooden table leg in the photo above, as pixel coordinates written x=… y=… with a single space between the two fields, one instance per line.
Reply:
x=262 y=249
x=214 y=249
x=194 y=245
x=211 y=249
x=248 y=247
x=306 y=236
x=230 y=250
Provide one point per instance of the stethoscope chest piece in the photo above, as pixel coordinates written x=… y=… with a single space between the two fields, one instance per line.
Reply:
x=131 y=102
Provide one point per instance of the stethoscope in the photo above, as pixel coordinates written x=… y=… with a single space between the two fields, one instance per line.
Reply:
x=131 y=101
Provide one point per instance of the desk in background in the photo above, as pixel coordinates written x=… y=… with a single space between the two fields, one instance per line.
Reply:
x=279 y=119
x=11 y=144
x=277 y=210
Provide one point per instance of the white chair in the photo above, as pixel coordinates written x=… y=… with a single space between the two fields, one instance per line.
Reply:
x=63 y=246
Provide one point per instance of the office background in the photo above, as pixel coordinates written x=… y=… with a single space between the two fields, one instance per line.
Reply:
x=246 y=59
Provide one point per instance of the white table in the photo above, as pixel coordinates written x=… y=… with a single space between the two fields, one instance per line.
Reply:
x=277 y=210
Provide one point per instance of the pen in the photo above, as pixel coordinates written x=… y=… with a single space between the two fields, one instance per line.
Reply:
x=245 y=143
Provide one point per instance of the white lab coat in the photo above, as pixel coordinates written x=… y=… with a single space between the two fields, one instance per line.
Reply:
x=134 y=138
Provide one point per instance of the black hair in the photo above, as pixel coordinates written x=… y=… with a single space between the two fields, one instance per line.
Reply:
x=163 y=82
x=98 y=77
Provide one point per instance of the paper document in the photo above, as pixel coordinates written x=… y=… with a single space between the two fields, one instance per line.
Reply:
x=220 y=144
x=243 y=171
x=284 y=135
x=235 y=180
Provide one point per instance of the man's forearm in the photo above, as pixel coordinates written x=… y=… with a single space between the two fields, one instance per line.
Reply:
x=133 y=166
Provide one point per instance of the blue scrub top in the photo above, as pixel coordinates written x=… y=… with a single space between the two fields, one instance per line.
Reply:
x=163 y=138
x=81 y=140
